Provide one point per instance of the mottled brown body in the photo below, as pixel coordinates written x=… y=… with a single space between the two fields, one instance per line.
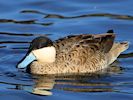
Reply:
x=84 y=53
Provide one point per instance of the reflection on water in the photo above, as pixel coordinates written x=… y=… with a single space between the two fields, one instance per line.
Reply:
x=73 y=82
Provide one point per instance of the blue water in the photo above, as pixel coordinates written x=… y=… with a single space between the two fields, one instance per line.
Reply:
x=21 y=21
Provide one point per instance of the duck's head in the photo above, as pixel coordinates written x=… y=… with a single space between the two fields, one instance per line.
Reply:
x=41 y=49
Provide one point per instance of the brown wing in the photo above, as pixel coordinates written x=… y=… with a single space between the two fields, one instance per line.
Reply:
x=103 y=41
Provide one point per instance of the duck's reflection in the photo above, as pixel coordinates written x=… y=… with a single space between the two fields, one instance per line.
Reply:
x=43 y=85
x=76 y=83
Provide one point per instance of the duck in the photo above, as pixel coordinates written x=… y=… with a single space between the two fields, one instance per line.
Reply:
x=73 y=54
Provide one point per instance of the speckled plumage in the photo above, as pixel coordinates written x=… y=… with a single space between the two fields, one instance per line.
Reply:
x=84 y=53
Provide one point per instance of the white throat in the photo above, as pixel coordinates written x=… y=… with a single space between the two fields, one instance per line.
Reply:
x=46 y=54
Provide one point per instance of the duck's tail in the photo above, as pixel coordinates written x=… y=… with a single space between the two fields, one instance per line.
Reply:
x=116 y=50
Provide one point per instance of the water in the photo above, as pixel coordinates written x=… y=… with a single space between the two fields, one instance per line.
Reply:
x=21 y=21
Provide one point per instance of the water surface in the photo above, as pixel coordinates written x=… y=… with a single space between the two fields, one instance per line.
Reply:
x=21 y=21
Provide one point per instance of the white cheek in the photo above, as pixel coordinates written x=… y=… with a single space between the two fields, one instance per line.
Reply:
x=46 y=54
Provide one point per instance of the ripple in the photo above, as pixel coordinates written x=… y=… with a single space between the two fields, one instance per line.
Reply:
x=2 y=46
x=15 y=34
x=115 y=16
x=24 y=22
x=33 y=12
x=127 y=55
x=12 y=42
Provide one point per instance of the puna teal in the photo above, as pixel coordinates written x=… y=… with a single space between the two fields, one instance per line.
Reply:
x=84 y=53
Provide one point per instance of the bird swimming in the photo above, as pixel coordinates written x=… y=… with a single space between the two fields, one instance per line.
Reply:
x=84 y=53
